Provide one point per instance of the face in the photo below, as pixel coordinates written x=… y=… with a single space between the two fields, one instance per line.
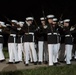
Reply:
x=54 y=22
x=43 y=22
x=66 y=24
x=30 y=22
x=13 y=23
x=50 y=20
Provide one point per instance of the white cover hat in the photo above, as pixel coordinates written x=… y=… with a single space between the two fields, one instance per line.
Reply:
x=14 y=21
x=50 y=16
x=29 y=18
x=21 y=22
x=66 y=20
x=42 y=18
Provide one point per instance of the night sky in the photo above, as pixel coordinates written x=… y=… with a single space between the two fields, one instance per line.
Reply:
x=20 y=9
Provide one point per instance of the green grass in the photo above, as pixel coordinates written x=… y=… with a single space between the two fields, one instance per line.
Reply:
x=5 y=51
x=54 y=70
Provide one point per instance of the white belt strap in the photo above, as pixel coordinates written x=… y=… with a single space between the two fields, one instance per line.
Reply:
x=30 y=33
x=68 y=35
x=0 y=30
x=58 y=34
x=14 y=40
x=55 y=33
x=1 y=35
x=49 y=33
x=21 y=39
x=14 y=35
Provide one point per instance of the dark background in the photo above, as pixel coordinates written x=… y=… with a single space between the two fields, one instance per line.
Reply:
x=20 y=9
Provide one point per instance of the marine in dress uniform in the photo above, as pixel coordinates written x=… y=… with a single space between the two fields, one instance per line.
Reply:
x=2 y=58
x=52 y=41
x=58 y=34
x=74 y=48
x=74 y=43
x=62 y=44
x=20 y=40
x=29 y=45
x=12 y=44
x=68 y=41
x=73 y=32
x=42 y=42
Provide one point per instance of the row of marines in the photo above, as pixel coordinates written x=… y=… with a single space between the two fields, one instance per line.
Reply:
x=37 y=43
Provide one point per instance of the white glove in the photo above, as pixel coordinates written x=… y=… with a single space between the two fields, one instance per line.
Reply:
x=45 y=27
x=18 y=28
x=72 y=28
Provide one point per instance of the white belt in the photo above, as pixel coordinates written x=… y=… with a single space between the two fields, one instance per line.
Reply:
x=1 y=36
x=14 y=35
x=33 y=35
x=55 y=33
x=58 y=34
x=68 y=35
x=51 y=33
x=30 y=33
x=0 y=30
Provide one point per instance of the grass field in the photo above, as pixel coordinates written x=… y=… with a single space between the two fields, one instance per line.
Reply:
x=52 y=70
x=5 y=51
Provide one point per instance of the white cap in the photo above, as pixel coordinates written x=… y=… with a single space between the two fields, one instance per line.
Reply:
x=2 y=23
x=42 y=18
x=14 y=21
x=66 y=20
x=21 y=22
x=7 y=24
x=29 y=18
x=50 y=16
x=54 y=19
